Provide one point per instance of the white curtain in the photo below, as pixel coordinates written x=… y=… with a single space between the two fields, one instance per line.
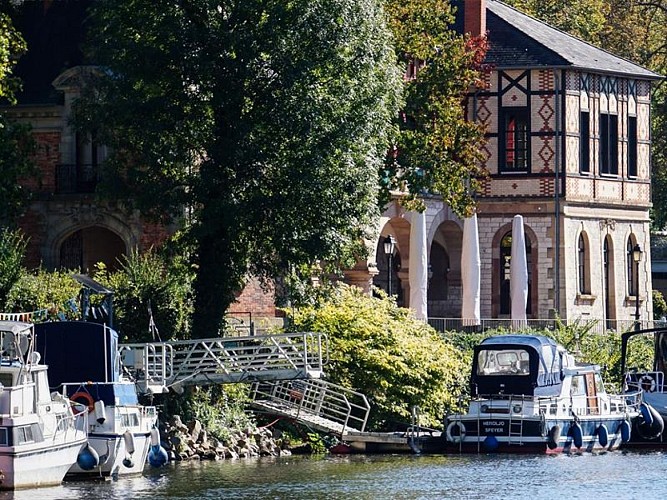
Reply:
x=470 y=273
x=518 y=274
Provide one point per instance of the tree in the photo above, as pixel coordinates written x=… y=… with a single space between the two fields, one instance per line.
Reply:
x=12 y=46
x=437 y=149
x=267 y=119
x=16 y=143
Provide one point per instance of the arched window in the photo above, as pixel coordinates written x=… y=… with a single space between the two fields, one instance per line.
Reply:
x=582 y=265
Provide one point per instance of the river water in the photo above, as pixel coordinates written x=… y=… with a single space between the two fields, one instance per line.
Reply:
x=612 y=475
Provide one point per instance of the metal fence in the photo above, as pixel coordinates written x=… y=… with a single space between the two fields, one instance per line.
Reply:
x=595 y=325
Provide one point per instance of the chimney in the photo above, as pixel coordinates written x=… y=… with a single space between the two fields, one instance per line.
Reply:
x=474 y=17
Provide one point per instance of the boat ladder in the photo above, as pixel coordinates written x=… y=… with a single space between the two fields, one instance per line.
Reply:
x=516 y=429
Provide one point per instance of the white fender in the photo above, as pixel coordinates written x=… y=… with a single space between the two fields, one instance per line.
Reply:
x=100 y=412
x=129 y=442
x=155 y=437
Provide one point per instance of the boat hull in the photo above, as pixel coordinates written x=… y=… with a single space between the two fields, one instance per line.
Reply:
x=113 y=453
x=35 y=466
x=501 y=434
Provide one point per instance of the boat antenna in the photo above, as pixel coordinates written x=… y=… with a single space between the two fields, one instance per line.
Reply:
x=152 y=327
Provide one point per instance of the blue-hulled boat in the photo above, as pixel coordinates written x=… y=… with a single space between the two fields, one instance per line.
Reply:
x=84 y=365
x=529 y=395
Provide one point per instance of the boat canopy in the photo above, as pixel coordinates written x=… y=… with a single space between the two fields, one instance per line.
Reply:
x=78 y=351
x=519 y=364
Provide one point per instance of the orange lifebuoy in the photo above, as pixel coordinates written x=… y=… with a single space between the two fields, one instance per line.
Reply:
x=89 y=402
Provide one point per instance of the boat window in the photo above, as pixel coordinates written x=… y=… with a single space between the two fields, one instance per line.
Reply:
x=6 y=379
x=503 y=362
x=4 y=437
x=129 y=420
x=578 y=387
x=598 y=383
x=24 y=434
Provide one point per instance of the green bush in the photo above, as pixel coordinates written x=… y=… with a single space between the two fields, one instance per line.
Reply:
x=54 y=291
x=219 y=408
x=659 y=305
x=148 y=280
x=382 y=351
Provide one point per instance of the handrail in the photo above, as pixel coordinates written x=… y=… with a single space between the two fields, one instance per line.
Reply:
x=226 y=359
x=318 y=398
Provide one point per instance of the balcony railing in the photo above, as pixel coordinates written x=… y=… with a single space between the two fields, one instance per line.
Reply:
x=73 y=179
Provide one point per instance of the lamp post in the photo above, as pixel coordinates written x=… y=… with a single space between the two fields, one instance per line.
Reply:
x=389 y=249
x=636 y=258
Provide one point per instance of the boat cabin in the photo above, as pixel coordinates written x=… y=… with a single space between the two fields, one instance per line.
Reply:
x=528 y=365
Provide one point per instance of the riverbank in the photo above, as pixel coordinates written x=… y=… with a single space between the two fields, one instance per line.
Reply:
x=191 y=441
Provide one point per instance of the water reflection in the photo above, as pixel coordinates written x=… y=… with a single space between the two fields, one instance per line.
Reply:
x=606 y=475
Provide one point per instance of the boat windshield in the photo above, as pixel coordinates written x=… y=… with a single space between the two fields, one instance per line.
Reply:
x=503 y=362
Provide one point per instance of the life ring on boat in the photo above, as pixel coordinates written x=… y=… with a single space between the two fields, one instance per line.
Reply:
x=458 y=435
x=88 y=401
x=647 y=383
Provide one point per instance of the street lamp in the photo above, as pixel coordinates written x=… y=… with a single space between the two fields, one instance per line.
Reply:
x=389 y=249
x=636 y=258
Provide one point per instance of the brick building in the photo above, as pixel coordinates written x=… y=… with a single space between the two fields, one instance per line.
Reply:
x=568 y=148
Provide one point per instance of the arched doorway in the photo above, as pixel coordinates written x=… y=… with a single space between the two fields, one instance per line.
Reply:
x=504 y=270
x=85 y=247
x=444 y=284
x=388 y=268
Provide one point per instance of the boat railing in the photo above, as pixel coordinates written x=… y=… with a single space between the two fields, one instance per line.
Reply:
x=72 y=423
x=549 y=405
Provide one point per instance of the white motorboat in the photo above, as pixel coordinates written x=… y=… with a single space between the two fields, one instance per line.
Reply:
x=40 y=436
x=530 y=396
x=85 y=366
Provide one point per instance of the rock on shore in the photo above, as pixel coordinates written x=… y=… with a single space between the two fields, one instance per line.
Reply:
x=191 y=441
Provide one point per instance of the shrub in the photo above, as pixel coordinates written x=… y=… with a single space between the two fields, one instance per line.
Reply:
x=147 y=280
x=54 y=291
x=384 y=352
x=659 y=305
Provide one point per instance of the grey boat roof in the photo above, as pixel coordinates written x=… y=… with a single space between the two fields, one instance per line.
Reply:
x=517 y=40
x=14 y=326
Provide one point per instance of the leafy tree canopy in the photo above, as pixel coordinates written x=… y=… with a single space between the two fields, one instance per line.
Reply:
x=268 y=119
x=585 y=19
x=12 y=46
x=16 y=144
x=436 y=150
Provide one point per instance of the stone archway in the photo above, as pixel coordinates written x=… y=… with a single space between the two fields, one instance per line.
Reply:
x=85 y=247
x=444 y=288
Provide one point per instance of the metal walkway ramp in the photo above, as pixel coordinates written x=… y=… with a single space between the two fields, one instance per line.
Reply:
x=157 y=366
x=318 y=404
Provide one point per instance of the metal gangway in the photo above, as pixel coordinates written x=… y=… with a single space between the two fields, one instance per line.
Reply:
x=157 y=366
x=319 y=404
